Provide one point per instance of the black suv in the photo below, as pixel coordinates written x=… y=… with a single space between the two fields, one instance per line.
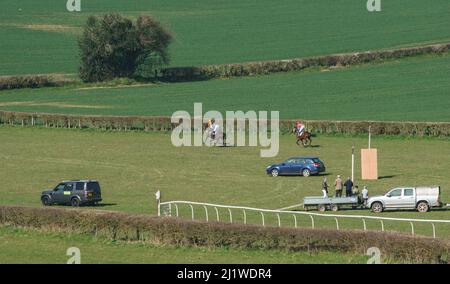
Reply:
x=73 y=192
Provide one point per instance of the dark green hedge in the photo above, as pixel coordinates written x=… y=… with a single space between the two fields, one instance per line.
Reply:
x=30 y=81
x=207 y=72
x=163 y=123
x=172 y=231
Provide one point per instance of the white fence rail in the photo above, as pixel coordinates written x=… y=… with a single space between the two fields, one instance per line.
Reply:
x=243 y=210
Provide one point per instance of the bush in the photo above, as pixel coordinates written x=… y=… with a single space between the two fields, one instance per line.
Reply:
x=31 y=81
x=267 y=67
x=128 y=227
x=114 y=46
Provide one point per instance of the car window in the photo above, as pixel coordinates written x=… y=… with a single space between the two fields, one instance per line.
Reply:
x=315 y=160
x=408 y=192
x=79 y=186
x=290 y=161
x=60 y=186
x=93 y=186
x=396 y=192
x=68 y=187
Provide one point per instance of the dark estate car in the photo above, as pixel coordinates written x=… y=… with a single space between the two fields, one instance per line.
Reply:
x=304 y=166
x=73 y=192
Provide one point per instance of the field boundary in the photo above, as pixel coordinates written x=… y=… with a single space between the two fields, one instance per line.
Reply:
x=207 y=72
x=173 y=231
x=293 y=213
x=164 y=123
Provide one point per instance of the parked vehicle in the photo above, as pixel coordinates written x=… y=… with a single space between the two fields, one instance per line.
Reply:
x=420 y=198
x=73 y=192
x=331 y=203
x=304 y=166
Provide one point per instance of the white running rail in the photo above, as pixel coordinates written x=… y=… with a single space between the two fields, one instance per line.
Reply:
x=294 y=214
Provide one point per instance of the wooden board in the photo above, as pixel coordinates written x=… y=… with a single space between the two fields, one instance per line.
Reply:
x=369 y=164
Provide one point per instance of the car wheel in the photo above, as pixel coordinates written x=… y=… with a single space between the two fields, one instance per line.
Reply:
x=377 y=207
x=321 y=207
x=75 y=202
x=422 y=207
x=306 y=173
x=334 y=207
x=275 y=172
x=46 y=201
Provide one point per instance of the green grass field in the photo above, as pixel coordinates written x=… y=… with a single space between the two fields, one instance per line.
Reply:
x=414 y=89
x=27 y=246
x=40 y=36
x=133 y=166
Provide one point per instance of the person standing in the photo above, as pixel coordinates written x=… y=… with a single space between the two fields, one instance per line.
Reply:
x=365 y=195
x=325 y=188
x=348 y=187
x=338 y=186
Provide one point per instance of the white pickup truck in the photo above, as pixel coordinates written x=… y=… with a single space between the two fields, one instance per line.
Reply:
x=420 y=198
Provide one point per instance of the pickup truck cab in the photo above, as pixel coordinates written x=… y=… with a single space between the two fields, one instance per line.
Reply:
x=420 y=198
x=73 y=192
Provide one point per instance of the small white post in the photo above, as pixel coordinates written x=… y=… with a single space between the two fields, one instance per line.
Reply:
x=279 y=221
x=231 y=216
x=206 y=213
x=176 y=208
x=370 y=135
x=263 y=223
x=337 y=223
x=364 y=223
x=158 y=202
x=217 y=214
x=295 y=220
x=353 y=163
x=312 y=221
x=192 y=211
x=434 y=230
x=382 y=225
x=412 y=228
x=245 y=217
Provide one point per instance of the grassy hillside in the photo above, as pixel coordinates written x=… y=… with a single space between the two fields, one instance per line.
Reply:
x=414 y=89
x=40 y=36
x=32 y=246
x=132 y=166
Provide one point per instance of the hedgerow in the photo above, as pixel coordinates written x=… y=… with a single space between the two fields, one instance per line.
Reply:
x=163 y=123
x=173 y=231
x=30 y=81
x=207 y=72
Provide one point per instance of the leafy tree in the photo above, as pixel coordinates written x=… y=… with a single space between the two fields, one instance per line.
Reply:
x=114 y=46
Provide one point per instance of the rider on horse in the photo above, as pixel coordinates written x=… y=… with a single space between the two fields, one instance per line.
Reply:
x=299 y=128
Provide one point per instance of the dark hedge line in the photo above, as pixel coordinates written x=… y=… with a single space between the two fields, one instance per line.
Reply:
x=30 y=81
x=207 y=72
x=172 y=231
x=163 y=123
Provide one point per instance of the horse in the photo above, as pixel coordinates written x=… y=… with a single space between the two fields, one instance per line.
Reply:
x=304 y=138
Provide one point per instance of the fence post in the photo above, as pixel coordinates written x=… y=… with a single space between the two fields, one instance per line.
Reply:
x=206 y=213
x=295 y=220
x=262 y=215
x=245 y=217
x=158 y=202
x=231 y=216
x=364 y=223
x=412 y=228
x=382 y=225
x=217 y=214
x=312 y=221
x=192 y=211
x=279 y=221
x=434 y=230
x=176 y=208
x=337 y=223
